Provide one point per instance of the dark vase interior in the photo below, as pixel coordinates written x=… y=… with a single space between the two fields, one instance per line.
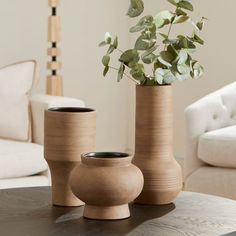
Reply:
x=105 y=155
x=71 y=109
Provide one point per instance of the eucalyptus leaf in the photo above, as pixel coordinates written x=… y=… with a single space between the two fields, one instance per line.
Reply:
x=107 y=38
x=182 y=77
x=201 y=23
x=137 y=28
x=183 y=69
x=185 y=5
x=180 y=12
x=196 y=39
x=164 y=63
x=168 y=77
x=137 y=72
x=164 y=76
x=144 y=22
x=121 y=72
x=159 y=75
x=103 y=43
x=106 y=60
x=184 y=42
x=150 y=81
x=149 y=51
x=172 y=50
x=197 y=69
x=170 y=41
x=180 y=19
x=115 y=43
x=167 y=56
x=111 y=49
x=163 y=18
x=106 y=69
x=136 y=8
x=129 y=56
x=173 y=2
x=158 y=64
x=182 y=57
x=149 y=59
x=143 y=43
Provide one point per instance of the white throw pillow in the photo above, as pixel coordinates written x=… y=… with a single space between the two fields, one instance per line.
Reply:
x=18 y=159
x=16 y=81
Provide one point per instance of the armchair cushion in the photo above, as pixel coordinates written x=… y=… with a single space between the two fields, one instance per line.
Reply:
x=19 y=159
x=215 y=111
x=16 y=81
x=218 y=147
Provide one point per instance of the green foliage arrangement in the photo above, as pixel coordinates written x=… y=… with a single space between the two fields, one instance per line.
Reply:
x=170 y=58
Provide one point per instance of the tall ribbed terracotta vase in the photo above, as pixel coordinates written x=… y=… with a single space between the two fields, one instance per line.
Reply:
x=68 y=132
x=154 y=145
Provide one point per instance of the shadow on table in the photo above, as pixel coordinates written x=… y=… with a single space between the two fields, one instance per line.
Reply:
x=72 y=221
x=230 y=234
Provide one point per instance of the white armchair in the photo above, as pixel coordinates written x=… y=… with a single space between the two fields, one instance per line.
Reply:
x=210 y=162
x=19 y=158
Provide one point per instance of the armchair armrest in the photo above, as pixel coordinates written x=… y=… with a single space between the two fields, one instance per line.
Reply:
x=212 y=112
x=39 y=103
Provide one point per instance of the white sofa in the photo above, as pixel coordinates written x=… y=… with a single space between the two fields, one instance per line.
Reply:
x=210 y=162
x=22 y=164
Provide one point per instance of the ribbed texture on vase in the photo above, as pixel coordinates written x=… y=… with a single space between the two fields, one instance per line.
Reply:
x=154 y=144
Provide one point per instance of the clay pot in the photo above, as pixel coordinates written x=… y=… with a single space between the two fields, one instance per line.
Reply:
x=106 y=182
x=68 y=133
x=154 y=145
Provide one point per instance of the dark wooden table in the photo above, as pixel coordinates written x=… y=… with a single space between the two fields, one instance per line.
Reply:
x=28 y=212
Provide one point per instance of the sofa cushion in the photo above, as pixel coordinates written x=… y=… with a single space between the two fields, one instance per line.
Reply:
x=25 y=182
x=218 y=147
x=211 y=180
x=18 y=159
x=15 y=84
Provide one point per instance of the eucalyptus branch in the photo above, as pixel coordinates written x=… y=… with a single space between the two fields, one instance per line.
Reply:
x=168 y=65
x=116 y=48
x=129 y=77
x=119 y=50
x=168 y=34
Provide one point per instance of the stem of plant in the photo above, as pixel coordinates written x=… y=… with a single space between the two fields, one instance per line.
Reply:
x=119 y=50
x=111 y=67
x=168 y=34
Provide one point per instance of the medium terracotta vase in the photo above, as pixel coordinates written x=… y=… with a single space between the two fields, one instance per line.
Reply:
x=106 y=182
x=68 y=132
x=154 y=145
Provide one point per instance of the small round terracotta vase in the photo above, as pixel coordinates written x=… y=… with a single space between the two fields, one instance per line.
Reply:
x=106 y=182
x=68 y=132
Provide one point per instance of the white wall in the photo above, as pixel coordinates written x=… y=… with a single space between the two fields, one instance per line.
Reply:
x=23 y=36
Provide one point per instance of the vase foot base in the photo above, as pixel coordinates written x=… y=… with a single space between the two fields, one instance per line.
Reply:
x=156 y=198
x=75 y=203
x=106 y=212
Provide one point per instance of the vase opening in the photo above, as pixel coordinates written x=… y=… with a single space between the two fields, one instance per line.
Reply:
x=105 y=155
x=71 y=109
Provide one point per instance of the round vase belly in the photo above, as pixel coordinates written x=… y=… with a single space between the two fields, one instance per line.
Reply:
x=154 y=144
x=106 y=182
x=68 y=132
